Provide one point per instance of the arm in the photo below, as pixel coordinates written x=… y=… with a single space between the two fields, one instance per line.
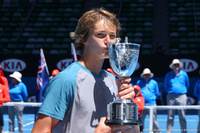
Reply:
x=24 y=92
x=187 y=81
x=166 y=83
x=196 y=89
x=4 y=81
x=6 y=95
x=156 y=89
x=44 y=124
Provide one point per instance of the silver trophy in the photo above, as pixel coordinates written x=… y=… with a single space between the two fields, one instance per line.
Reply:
x=123 y=59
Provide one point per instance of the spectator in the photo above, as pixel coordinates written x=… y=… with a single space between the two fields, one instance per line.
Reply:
x=197 y=94
x=150 y=91
x=176 y=84
x=3 y=79
x=139 y=100
x=4 y=96
x=18 y=93
x=54 y=73
x=78 y=96
x=110 y=71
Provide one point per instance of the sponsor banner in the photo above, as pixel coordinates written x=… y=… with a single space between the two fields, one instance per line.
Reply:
x=159 y=65
x=13 y=64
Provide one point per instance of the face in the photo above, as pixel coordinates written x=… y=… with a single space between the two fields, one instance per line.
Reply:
x=137 y=92
x=14 y=81
x=176 y=67
x=98 y=40
x=146 y=76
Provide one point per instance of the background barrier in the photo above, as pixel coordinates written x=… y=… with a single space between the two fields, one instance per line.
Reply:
x=191 y=115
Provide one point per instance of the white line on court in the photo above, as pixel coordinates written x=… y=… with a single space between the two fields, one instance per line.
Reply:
x=23 y=126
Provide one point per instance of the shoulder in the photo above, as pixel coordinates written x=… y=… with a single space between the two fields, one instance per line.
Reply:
x=184 y=72
x=198 y=82
x=169 y=73
x=154 y=81
x=22 y=84
x=4 y=79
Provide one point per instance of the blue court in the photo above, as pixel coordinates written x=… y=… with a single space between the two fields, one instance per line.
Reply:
x=192 y=121
x=28 y=123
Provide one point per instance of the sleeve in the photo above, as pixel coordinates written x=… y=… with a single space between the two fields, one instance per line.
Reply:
x=6 y=96
x=4 y=81
x=24 y=92
x=187 y=81
x=139 y=103
x=196 y=89
x=58 y=96
x=156 y=89
x=166 y=82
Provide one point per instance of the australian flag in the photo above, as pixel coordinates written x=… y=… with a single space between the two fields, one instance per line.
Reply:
x=42 y=77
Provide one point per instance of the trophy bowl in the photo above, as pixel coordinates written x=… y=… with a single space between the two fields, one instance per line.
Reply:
x=123 y=59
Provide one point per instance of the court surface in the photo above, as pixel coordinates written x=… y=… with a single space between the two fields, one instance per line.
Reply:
x=192 y=121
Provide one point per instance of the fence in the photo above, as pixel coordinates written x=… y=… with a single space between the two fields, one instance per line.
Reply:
x=191 y=112
x=191 y=116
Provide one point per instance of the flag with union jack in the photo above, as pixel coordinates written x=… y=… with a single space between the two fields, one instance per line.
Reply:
x=42 y=77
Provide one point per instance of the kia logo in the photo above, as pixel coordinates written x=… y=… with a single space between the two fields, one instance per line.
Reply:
x=62 y=64
x=11 y=65
x=189 y=65
x=190 y=100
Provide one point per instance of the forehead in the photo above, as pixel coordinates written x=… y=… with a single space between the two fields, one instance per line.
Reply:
x=104 y=26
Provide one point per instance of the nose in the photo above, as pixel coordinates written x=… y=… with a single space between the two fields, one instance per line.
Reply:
x=107 y=39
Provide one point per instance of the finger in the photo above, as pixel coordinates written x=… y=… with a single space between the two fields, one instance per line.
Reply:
x=129 y=96
x=118 y=82
x=126 y=80
x=125 y=88
x=127 y=93
x=103 y=120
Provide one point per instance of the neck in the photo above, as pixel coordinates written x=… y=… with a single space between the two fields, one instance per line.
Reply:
x=92 y=65
x=147 y=80
x=176 y=72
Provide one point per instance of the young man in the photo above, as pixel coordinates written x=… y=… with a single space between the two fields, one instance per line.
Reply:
x=176 y=84
x=76 y=99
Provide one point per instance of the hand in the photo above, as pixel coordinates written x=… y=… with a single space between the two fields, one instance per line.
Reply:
x=126 y=91
x=103 y=128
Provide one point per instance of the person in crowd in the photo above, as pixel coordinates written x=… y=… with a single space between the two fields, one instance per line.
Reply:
x=54 y=73
x=110 y=70
x=176 y=84
x=150 y=91
x=18 y=93
x=3 y=79
x=197 y=94
x=77 y=98
x=139 y=100
x=4 y=96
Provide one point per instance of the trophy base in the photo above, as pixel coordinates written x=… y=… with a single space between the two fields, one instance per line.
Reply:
x=123 y=122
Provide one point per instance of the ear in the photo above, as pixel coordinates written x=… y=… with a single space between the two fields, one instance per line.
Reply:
x=85 y=43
